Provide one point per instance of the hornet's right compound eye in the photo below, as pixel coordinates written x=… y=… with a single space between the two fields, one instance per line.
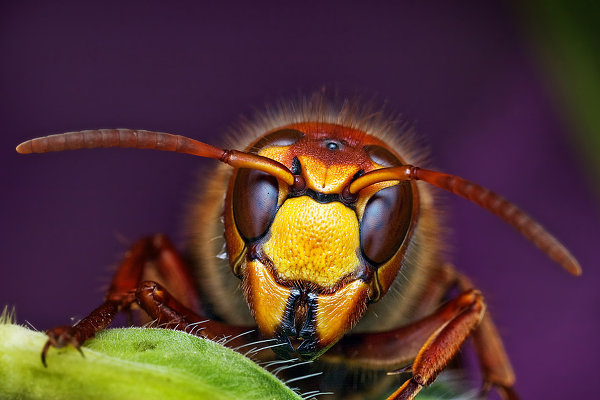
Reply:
x=255 y=195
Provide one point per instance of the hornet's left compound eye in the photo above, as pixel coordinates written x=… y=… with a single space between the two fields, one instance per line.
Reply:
x=385 y=222
x=387 y=215
x=255 y=196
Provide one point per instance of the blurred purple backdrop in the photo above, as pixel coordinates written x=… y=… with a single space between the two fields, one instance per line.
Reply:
x=463 y=74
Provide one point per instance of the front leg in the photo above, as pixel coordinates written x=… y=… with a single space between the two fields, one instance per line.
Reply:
x=83 y=330
x=431 y=342
x=495 y=366
x=149 y=255
x=443 y=344
x=169 y=313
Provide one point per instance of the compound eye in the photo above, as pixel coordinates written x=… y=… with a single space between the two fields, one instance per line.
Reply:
x=382 y=156
x=385 y=222
x=282 y=137
x=255 y=196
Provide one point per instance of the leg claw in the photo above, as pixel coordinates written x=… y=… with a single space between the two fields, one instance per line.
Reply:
x=61 y=336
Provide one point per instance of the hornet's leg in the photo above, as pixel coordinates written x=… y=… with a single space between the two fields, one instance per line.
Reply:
x=432 y=342
x=443 y=344
x=150 y=254
x=171 y=314
x=493 y=360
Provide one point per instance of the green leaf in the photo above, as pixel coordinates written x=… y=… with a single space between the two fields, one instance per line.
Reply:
x=145 y=363
x=134 y=363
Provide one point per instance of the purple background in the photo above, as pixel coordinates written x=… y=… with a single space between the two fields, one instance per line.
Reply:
x=463 y=74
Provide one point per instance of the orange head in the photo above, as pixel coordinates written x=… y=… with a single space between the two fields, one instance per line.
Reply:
x=312 y=255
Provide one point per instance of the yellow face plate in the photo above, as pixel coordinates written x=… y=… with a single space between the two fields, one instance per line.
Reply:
x=314 y=242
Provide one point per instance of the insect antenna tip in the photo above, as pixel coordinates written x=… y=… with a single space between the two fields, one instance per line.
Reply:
x=574 y=268
x=24 y=148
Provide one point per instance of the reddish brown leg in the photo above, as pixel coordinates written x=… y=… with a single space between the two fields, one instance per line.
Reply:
x=493 y=360
x=76 y=335
x=443 y=344
x=442 y=332
x=431 y=342
x=148 y=256
x=155 y=253
x=169 y=313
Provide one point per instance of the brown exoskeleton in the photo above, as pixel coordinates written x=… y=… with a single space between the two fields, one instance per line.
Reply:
x=319 y=214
